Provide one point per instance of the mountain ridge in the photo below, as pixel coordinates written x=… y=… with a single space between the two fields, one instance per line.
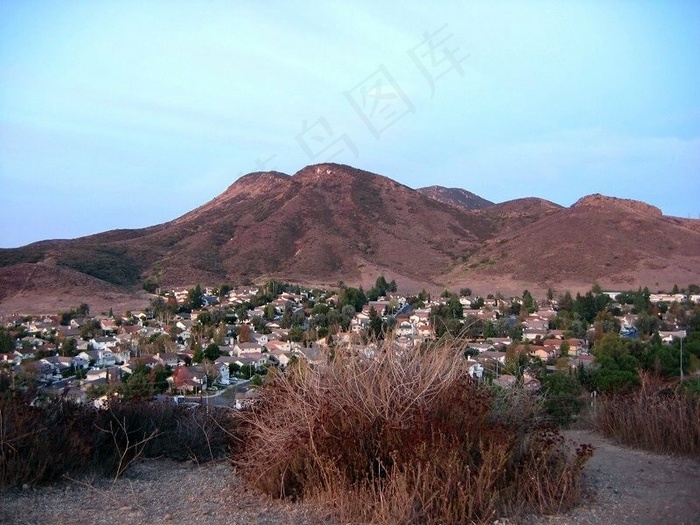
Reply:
x=331 y=222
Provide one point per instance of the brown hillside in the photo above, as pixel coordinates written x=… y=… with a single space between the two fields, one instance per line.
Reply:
x=325 y=223
x=615 y=242
x=456 y=197
x=331 y=222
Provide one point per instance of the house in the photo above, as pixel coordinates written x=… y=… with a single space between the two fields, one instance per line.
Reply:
x=481 y=347
x=500 y=342
x=13 y=358
x=544 y=352
x=60 y=363
x=109 y=325
x=247 y=348
x=167 y=358
x=103 y=343
x=475 y=369
x=280 y=359
x=102 y=357
x=47 y=371
x=223 y=373
x=260 y=339
x=277 y=347
x=80 y=361
x=668 y=337
x=406 y=329
x=313 y=354
x=531 y=334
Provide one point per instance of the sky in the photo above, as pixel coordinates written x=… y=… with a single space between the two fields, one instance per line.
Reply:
x=126 y=114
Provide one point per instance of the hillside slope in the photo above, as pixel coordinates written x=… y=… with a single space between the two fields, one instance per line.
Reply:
x=330 y=223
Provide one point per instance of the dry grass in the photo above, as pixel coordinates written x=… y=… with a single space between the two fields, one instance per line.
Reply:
x=42 y=443
x=405 y=439
x=657 y=417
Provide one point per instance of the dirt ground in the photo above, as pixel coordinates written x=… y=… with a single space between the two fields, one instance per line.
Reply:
x=626 y=486
x=623 y=486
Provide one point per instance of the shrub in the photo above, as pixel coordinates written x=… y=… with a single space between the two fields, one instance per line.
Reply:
x=657 y=417
x=42 y=443
x=562 y=398
x=404 y=438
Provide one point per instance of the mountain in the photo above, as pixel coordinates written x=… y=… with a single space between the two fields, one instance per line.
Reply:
x=456 y=197
x=330 y=222
x=619 y=243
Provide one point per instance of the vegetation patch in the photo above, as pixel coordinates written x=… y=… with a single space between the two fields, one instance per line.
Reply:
x=109 y=263
x=405 y=438
x=46 y=441
x=659 y=417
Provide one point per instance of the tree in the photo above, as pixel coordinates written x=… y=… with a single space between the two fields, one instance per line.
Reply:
x=198 y=354
x=69 y=347
x=566 y=302
x=529 y=302
x=465 y=292
x=270 y=312
x=7 y=344
x=212 y=352
x=374 y=328
x=617 y=368
x=158 y=378
x=562 y=397
x=137 y=386
x=564 y=348
x=244 y=333
x=354 y=297
x=83 y=310
x=295 y=334
x=194 y=298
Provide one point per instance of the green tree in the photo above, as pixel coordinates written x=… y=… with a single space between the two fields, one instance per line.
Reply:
x=137 y=386
x=354 y=297
x=194 y=298
x=529 y=302
x=374 y=328
x=83 y=310
x=617 y=368
x=69 y=347
x=212 y=352
x=158 y=378
x=295 y=334
x=198 y=355
x=562 y=397
x=7 y=343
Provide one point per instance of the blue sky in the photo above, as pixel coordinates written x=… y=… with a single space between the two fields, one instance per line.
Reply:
x=119 y=114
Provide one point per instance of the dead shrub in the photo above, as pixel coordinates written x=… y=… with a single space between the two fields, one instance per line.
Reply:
x=405 y=438
x=44 y=442
x=658 y=417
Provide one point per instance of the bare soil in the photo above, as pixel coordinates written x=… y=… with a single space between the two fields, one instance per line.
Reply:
x=623 y=486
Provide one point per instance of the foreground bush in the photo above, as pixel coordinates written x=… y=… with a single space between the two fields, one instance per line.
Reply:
x=657 y=417
x=44 y=443
x=405 y=439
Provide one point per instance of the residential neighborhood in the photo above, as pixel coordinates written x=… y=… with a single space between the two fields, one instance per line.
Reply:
x=202 y=341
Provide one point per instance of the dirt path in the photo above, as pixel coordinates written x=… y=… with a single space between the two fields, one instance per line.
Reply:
x=624 y=486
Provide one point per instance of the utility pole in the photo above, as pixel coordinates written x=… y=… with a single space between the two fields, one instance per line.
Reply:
x=682 y=355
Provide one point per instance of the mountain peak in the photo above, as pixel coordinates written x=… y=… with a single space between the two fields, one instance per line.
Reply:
x=597 y=200
x=456 y=197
